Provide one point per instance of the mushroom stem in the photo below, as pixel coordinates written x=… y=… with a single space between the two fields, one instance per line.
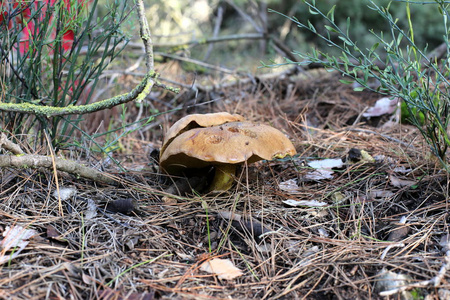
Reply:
x=223 y=177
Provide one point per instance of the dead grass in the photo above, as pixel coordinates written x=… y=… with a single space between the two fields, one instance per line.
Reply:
x=155 y=251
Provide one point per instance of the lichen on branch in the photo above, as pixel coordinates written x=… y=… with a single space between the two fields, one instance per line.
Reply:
x=138 y=93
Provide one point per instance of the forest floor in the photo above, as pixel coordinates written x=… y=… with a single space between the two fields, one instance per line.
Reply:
x=371 y=226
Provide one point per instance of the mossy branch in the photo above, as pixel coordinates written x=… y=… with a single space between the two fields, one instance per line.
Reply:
x=138 y=94
x=145 y=36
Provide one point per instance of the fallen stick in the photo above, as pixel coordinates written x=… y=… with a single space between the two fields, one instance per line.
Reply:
x=41 y=161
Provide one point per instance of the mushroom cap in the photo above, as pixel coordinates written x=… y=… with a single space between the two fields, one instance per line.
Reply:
x=230 y=143
x=195 y=121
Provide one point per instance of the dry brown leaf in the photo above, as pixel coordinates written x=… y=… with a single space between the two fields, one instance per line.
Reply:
x=400 y=231
x=52 y=232
x=223 y=268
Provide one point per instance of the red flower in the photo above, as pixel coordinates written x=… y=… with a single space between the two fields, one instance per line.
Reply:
x=67 y=40
x=29 y=31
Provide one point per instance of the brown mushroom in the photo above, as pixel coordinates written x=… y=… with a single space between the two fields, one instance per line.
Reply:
x=195 y=121
x=224 y=147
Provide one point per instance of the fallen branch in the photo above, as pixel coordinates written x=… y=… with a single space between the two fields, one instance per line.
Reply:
x=21 y=160
x=41 y=161
x=199 y=63
x=212 y=40
x=9 y=146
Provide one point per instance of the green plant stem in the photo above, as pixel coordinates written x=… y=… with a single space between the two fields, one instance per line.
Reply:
x=137 y=265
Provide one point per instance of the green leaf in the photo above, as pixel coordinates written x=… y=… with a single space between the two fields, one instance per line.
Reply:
x=330 y=13
x=345 y=81
x=346 y=41
x=374 y=47
x=344 y=58
x=313 y=12
x=311 y=27
x=348 y=25
x=329 y=28
x=359 y=89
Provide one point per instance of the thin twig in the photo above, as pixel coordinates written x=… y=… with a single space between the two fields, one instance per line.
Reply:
x=193 y=43
x=215 y=31
x=245 y=16
x=197 y=62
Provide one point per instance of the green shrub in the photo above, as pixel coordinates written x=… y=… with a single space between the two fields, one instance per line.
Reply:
x=53 y=53
x=403 y=68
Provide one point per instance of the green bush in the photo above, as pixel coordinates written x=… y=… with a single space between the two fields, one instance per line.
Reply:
x=427 y=28
x=53 y=53
x=403 y=68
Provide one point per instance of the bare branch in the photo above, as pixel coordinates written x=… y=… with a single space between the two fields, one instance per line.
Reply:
x=42 y=161
x=9 y=146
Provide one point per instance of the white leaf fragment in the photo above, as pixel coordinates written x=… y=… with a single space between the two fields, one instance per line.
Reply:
x=328 y=163
x=223 y=268
x=65 y=193
x=397 y=182
x=319 y=174
x=402 y=170
x=91 y=210
x=323 y=168
x=381 y=107
x=289 y=186
x=445 y=242
x=310 y=203
x=378 y=193
x=323 y=232
x=390 y=283
x=15 y=240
